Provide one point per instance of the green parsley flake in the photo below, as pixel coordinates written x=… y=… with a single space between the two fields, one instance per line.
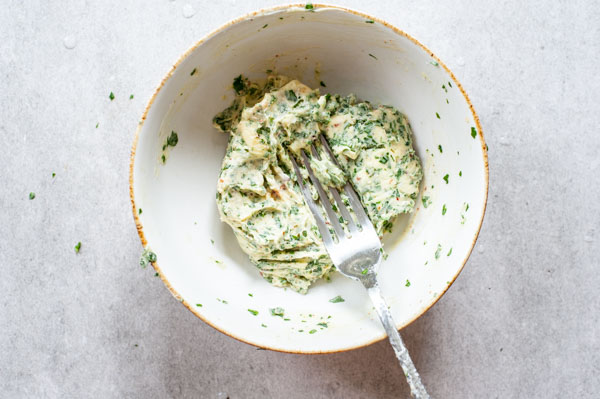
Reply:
x=212 y=241
x=250 y=295
x=173 y=139
x=438 y=115
x=460 y=173
x=444 y=209
x=163 y=158
x=193 y=72
x=407 y=283
x=337 y=299
x=473 y=132
x=434 y=63
x=53 y=174
x=309 y=6
x=238 y=84
x=322 y=324
x=31 y=196
x=440 y=148
x=365 y=271
x=312 y=331
x=140 y=211
x=199 y=305
x=426 y=201
x=265 y=25
x=111 y=96
x=254 y=312
x=371 y=55
x=370 y=21
x=77 y=247
x=147 y=257
x=449 y=252
x=97 y=124
x=277 y=312
x=263 y=325
x=322 y=84
x=156 y=274
x=438 y=251
x=446 y=178
x=291 y=96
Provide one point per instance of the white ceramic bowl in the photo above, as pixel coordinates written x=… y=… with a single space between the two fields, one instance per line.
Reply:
x=350 y=54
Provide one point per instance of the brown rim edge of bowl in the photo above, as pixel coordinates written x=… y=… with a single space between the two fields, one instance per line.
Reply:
x=138 y=224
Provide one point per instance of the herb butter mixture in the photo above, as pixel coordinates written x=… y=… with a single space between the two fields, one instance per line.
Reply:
x=258 y=196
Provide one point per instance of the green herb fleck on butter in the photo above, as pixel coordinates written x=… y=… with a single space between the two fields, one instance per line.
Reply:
x=77 y=247
x=444 y=209
x=473 y=132
x=254 y=312
x=407 y=283
x=446 y=178
x=337 y=299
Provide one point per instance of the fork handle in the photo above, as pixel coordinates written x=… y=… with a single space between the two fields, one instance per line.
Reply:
x=417 y=389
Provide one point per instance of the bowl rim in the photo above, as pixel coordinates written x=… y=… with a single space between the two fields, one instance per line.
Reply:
x=268 y=10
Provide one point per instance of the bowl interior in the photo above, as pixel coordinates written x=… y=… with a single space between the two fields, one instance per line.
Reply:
x=199 y=257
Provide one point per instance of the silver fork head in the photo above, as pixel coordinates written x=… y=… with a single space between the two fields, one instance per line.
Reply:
x=357 y=252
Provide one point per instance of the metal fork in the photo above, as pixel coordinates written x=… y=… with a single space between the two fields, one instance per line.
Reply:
x=357 y=255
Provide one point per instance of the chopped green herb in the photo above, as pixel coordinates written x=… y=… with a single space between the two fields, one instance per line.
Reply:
x=31 y=196
x=407 y=283
x=291 y=96
x=312 y=331
x=199 y=305
x=173 y=139
x=370 y=21
x=212 y=241
x=450 y=84
x=77 y=247
x=265 y=25
x=323 y=84
x=97 y=124
x=238 y=84
x=460 y=173
x=277 y=311
x=147 y=257
x=269 y=71
x=250 y=295
x=438 y=251
x=254 y=312
x=111 y=96
x=156 y=274
x=449 y=252
x=309 y=6
x=440 y=148
x=438 y=115
x=263 y=325
x=131 y=96
x=163 y=158
x=337 y=299
x=444 y=209
x=426 y=201
x=434 y=63
x=323 y=324
x=473 y=132
x=446 y=178
x=371 y=55
x=53 y=174
x=140 y=211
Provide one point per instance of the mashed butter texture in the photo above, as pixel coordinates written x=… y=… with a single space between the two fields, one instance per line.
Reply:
x=257 y=194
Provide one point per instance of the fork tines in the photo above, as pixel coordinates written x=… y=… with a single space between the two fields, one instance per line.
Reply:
x=362 y=221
